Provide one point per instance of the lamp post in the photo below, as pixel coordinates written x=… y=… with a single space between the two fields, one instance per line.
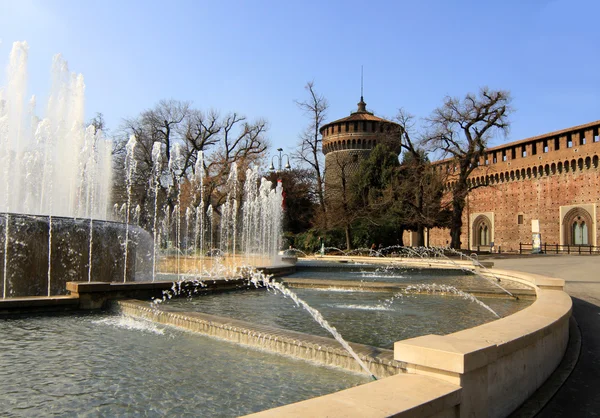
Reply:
x=280 y=160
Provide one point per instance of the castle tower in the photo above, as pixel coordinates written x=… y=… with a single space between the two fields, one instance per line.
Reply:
x=348 y=141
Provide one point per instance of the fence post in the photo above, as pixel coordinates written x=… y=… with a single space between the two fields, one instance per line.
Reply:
x=556 y=248
x=520 y=248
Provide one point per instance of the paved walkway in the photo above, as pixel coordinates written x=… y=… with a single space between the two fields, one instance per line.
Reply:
x=580 y=395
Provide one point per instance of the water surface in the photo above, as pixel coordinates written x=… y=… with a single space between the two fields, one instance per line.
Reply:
x=107 y=366
x=372 y=318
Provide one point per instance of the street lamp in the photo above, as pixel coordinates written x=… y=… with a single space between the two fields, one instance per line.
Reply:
x=280 y=159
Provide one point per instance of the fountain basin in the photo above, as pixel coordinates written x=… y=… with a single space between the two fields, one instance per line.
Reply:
x=487 y=370
x=483 y=371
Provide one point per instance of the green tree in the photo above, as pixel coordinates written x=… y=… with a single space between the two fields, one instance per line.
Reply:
x=397 y=196
x=376 y=174
x=300 y=203
x=419 y=192
x=374 y=202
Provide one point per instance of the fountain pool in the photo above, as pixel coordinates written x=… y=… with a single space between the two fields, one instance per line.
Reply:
x=361 y=316
x=109 y=365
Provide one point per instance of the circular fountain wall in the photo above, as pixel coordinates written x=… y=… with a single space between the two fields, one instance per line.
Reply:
x=41 y=258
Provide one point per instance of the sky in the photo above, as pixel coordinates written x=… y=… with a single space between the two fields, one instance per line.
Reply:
x=255 y=57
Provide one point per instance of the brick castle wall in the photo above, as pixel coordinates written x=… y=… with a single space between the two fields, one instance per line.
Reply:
x=538 y=178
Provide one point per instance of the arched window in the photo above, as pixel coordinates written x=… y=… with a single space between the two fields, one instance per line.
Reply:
x=482 y=231
x=577 y=227
x=484 y=235
x=580 y=232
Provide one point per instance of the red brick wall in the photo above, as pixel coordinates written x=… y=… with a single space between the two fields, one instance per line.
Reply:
x=538 y=194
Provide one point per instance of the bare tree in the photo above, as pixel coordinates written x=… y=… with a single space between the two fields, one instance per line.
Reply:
x=461 y=129
x=223 y=141
x=309 y=149
x=98 y=122
x=240 y=142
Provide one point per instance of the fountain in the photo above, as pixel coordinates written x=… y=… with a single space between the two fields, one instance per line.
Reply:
x=57 y=229
x=52 y=166
x=56 y=180
x=55 y=224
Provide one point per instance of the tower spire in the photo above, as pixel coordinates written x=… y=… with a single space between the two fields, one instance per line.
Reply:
x=361 y=83
x=362 y=106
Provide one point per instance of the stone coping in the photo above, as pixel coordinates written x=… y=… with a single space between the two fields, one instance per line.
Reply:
x=96 y=295
x=86 y=295
x=24 y=305
x=414 y=395
x=491 y=368
x=439 y=262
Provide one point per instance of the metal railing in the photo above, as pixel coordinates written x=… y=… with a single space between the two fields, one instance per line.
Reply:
x=560 y=249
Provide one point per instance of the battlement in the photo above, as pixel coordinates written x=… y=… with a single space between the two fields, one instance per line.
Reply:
x=568 y=150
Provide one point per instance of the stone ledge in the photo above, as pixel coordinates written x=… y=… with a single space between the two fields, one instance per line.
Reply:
x=96 y=295
x=537 y=280
x=446 y=353
x=436 y=263
x=411 y=395
x=519 y=351
x=12 y=306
